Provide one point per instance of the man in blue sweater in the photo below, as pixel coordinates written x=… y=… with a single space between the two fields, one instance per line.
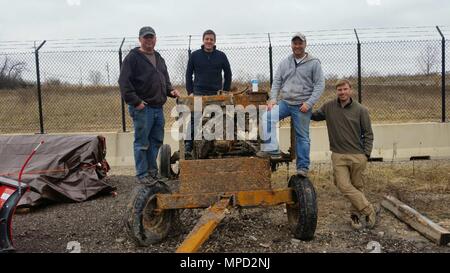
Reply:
x=206 y=65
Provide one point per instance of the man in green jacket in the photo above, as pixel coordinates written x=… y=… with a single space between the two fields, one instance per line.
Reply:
x=351 y=140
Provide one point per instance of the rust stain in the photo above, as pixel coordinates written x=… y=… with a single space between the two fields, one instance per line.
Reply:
x=221 y=100
x=224 y=175
x=262 y=198
x=251 y=98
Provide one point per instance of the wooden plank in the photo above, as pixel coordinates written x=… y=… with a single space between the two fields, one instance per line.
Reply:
x=422 y=224
x=204 y=227
x=224 y=175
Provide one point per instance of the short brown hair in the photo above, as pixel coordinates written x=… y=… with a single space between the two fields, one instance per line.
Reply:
x=343 y=82
x=207 y=32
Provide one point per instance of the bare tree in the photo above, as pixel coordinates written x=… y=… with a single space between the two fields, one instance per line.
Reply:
x=11 y=73
x=95 y=77
x=427 y=60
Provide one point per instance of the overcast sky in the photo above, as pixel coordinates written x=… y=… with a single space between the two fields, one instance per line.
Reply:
x=59 y=19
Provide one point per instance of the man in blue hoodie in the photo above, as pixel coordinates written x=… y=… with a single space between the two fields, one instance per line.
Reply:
x=297 y=85
x=145 y=84
x=206 y=65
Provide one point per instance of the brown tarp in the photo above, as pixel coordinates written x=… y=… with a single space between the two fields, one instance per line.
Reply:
x=64 y=168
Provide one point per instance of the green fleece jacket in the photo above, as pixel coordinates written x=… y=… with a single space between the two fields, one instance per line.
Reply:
x=349 y=127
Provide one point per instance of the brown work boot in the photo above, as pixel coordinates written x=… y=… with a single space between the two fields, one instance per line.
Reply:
x=355 y=222
x=372 y=218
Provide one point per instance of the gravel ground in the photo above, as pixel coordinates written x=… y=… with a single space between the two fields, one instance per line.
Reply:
x=97 y=224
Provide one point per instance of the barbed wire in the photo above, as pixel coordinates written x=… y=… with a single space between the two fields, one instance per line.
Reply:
x=321 y=36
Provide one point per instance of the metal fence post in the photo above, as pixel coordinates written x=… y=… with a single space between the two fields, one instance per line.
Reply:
x=359 y=68
x=122 y=102
x=189 y=47
x=443 y=74
x=38 y=78
x=270 y=60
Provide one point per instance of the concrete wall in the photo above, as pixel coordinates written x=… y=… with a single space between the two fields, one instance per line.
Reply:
x=392 y=142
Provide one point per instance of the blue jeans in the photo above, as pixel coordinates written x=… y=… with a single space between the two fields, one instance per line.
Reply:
x=189 y=142
x=148 y=138
x=301 y=126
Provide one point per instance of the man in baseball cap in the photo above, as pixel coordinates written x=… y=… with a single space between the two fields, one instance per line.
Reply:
x=144 y=31
x=145 y=85
x=300 y=36
x=297 y=85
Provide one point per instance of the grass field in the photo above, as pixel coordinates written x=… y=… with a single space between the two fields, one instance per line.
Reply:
x=75 y=109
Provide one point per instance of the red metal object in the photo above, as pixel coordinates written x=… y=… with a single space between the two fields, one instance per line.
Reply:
x=9 y=198
x=10 y=194
x=5 y=193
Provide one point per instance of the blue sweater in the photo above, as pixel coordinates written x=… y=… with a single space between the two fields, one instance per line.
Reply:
x=207 y=68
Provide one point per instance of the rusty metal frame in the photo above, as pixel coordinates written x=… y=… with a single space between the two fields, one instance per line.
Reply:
x=257 y=198
x=231 y=174
x=205 y=226
x=234 y=183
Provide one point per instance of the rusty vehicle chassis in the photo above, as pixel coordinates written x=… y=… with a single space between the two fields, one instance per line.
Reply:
x=218 y=176
x=261 y=198
x=245 y=180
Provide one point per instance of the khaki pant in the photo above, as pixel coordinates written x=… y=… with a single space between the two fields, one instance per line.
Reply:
x=348 y=169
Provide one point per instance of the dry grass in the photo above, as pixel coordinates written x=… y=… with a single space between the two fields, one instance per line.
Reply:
x=424 y=185
x=75 y=109
x=431 y=176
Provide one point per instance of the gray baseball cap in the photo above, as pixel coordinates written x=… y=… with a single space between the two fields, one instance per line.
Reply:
x=300 y=36
x=146 y=31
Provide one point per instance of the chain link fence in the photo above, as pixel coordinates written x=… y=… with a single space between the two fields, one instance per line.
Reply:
x=80 y=92
x=401 y=80
x=18 y=97
x=447 y=79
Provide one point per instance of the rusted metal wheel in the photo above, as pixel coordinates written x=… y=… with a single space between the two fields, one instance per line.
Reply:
x=302 y=215
x=143 y=223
